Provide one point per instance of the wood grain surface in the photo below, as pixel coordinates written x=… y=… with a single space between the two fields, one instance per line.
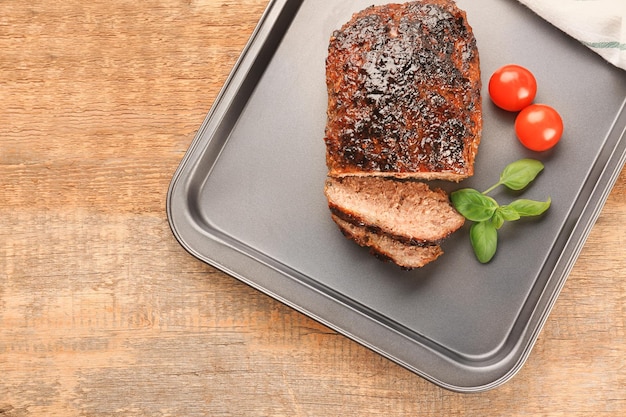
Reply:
x=102 y=313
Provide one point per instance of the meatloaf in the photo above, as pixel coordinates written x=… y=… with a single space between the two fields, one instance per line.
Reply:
x=404 y=98
x=388 y=249
x=407 y=211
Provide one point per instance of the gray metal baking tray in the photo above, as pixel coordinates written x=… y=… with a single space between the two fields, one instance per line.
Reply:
x=248 y=196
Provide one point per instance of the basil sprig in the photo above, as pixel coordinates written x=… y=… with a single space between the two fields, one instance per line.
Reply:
x=488 y=216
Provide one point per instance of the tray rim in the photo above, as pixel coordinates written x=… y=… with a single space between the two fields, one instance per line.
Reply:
x=516 y=356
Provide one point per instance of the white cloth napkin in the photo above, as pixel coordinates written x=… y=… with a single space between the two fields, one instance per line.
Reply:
x=598 y=24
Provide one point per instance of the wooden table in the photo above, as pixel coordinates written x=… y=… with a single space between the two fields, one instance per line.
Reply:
x=102 y=313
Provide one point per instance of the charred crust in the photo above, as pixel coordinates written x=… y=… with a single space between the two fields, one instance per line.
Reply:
x=404 y=91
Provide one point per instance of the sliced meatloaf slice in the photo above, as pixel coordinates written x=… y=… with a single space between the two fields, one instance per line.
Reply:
x=408 y=211
x=404 y=99
x=386 y=248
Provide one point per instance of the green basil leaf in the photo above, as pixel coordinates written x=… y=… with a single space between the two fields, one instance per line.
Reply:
x=497 y=219
x=528 y=208
x=517 y=175
x=473 y=205
x=509 y=213
x=484 y=239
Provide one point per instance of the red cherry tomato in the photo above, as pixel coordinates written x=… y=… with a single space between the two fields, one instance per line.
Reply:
x=539 y=127
x=512 y=87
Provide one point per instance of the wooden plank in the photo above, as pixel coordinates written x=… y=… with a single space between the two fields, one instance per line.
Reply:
x=102 y=313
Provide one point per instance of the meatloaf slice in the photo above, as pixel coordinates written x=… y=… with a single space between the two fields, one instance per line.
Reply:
x=408 y=211
x=404 y=100
x=386 y=248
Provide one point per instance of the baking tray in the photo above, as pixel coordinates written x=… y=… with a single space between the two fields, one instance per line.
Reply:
x=248 y=196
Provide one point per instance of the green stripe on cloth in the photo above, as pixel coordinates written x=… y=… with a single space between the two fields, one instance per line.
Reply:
x=606 y=45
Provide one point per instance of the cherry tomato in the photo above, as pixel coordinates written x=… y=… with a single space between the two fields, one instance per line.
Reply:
x=512 y=87
x=539 y=127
